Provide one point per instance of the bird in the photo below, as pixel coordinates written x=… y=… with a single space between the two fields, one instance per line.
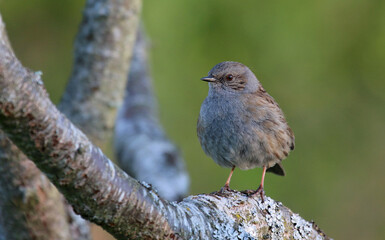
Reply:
x=241 y=125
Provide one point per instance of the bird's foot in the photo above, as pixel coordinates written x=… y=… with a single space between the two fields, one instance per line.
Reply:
x=225 y=188
x=259 y=191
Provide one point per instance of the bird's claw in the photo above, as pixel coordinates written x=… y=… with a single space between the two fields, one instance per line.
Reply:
x=225 y=188
x=259 y=191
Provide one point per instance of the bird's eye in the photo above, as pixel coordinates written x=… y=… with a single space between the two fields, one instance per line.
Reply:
x=229 y=77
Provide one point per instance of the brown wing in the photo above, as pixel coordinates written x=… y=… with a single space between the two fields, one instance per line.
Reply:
x=276 y=133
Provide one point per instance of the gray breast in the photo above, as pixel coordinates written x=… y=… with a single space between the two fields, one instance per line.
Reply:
x=226 y=136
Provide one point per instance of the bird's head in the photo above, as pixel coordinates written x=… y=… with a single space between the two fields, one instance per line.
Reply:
x=231 y=77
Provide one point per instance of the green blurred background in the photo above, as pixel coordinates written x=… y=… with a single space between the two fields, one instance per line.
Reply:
x=323 y=61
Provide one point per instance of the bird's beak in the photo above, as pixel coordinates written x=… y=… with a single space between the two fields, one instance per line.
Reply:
x=208 y=79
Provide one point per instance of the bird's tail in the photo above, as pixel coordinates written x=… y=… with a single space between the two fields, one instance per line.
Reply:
x=277 y=169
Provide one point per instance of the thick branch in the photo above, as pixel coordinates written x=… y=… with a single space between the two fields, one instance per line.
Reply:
x=30 y=205
x=103 y=49
x=236 y=215
x=98 y=190
x=141 y=146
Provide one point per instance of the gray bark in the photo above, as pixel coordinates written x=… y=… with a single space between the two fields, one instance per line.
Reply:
x=103 y=50
x=141 y=146
x=102 y=193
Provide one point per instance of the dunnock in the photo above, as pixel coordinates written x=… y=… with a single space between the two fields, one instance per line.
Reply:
x=240 y=124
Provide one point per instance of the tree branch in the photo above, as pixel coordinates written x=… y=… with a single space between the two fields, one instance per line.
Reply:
x=103 y=47
x=141 y=146
x=30 y=205
x=98 y=190
x=103 y=50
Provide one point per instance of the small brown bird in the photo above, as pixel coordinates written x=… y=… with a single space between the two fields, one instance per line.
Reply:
x=240 y=124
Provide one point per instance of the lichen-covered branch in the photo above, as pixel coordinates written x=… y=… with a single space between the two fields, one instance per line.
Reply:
x=236 y=215
x=103 y=49
x=141 y=146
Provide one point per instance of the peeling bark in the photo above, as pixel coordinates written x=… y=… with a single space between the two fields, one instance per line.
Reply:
x=142 y=148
